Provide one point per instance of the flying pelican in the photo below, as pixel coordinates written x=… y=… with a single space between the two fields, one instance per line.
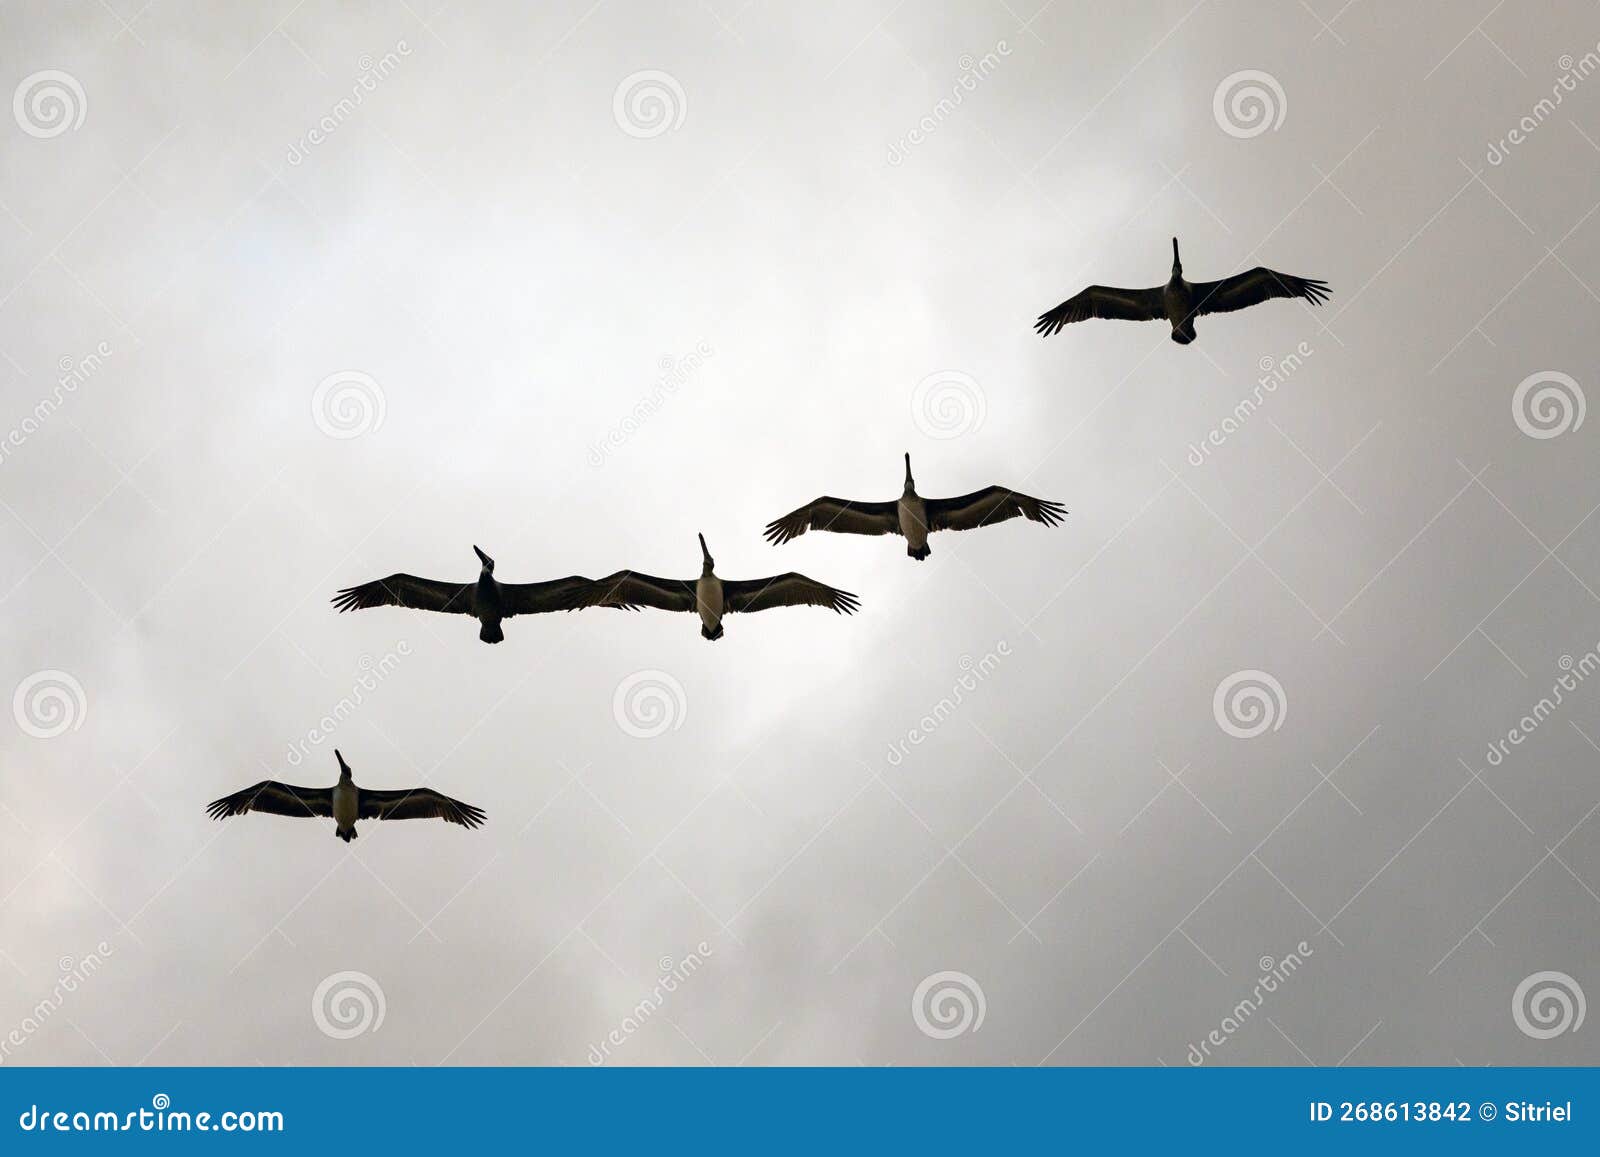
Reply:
x=487 y=600
x=1180 y=301
x=912 y=515
x=712 y=597
x=346 y=803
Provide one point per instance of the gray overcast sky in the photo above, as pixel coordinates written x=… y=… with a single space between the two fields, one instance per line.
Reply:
x=348 y=287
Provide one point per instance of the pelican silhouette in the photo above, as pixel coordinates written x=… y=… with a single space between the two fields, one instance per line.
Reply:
x=710 y=596
x=913 y=516
x=345 y=803
x=1180 y=301
x=488 y=600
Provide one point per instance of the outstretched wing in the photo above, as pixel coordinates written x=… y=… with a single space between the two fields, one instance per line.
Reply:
x=1252 y=287
x=541 y=598
x=840 y=515
x=419 y=803
x=632 y=590
x=407 y=590
x=786 y=590
x=1103 y=301
x=280 y=799
x=989 y=505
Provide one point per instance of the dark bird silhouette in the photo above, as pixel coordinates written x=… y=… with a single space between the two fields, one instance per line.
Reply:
x=345 y=803
x=1180 y=301
x=913 y=516
x=488 y=600
x=712 y=597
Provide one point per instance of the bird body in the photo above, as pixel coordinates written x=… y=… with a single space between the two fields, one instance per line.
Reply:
x=710 y=596
x=912 y=516
x=1179 y=302
x=488 y=600
x=709 y=602
x=345 y=803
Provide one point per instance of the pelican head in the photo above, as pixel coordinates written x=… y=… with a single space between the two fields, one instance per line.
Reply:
x=910 y=482
x=1177 y=266
x=488 y=563
x=344 y=768
x=705 y=554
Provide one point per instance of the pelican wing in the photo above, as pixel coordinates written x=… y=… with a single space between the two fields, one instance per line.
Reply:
x=786 y=590
x=1252 y=287
x=632 y=590
x=280 y=799
x=840 y=515
x=1103 y=301
x=407 y=590
x=419 y=803
x=990 y=505
x=541 y=598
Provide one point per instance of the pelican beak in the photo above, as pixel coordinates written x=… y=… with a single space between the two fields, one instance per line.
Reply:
x=1175 y=251
x=483 y=558
x=704 y=552
x=343 y=766
x=908 y=466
